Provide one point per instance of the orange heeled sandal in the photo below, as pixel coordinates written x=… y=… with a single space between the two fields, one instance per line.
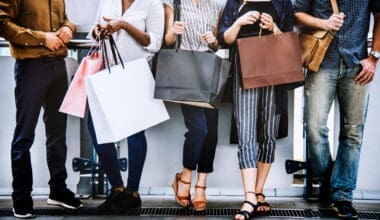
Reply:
x=180 y=199
x=200 y=205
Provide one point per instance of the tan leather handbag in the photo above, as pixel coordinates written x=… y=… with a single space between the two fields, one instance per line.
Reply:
x=314 y=44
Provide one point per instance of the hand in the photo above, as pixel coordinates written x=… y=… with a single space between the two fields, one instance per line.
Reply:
x=368 y=71
x=334 y=23
x=65 y=34
x=112 y=26
x=266 y=22
x=99 y=32
x=209 y=37
x=179 y=27
x=53 y=42
x=250 y=17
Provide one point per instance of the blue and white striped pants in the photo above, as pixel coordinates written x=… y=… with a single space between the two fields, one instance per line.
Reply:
x=257 y=123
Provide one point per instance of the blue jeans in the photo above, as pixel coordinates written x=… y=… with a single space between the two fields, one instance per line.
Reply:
x=108 y=157
x=200 y=139
x=321 y=89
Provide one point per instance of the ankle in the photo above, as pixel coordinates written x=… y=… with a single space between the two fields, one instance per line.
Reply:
x=250 y=196
x=119 y=189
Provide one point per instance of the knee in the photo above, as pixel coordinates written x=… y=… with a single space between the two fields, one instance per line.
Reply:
x=352 y=134
x=315 y=133
x=197 y=132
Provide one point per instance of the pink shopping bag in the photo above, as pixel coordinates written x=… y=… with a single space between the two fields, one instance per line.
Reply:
x=75 y=99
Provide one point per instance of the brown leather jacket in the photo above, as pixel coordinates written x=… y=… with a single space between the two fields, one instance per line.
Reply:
x=24 y=23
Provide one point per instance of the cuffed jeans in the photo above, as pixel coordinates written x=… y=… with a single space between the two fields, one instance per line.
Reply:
x=136 y=158
x=200 y=139
x=40 y=83
x=321 y=89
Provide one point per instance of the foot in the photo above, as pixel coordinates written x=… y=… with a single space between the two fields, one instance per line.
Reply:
x=199 y=202
x=246 y=212
x=262 y=205
x=64 y=198
x=248 y=208
x=23 y=208
x=181 y=191
x=345 y=210
x=324 y=198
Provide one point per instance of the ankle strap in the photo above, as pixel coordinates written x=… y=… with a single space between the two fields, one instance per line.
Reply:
x=250 y=192
x=200 y=187
x=179 y=178
x=260 y=194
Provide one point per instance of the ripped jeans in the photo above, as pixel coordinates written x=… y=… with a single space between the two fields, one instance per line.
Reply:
x=321 y=89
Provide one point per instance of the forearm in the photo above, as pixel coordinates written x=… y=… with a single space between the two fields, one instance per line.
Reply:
x=306 y=20
x=141 y=37
x=376 y=33
x=231 y=34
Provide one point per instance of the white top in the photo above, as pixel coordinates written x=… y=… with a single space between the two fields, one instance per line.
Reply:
x=145 y=15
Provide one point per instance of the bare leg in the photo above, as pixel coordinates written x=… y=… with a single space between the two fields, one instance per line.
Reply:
x=262 y=174
x=200 y=201
x=249 y=182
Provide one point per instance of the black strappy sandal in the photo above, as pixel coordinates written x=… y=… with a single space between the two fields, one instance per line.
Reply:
x=246 y=214
x=262 y=204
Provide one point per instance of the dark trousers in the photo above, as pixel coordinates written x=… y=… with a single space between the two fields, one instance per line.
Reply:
x=200 y=139
x=108 y=157
x=40 y=83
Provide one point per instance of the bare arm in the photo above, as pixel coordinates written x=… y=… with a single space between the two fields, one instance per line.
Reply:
x=334 y=23
x=114 y=25
x=232 y=32
x=367 y=73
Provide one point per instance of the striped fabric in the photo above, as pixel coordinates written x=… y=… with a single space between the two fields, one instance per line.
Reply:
x=199 y=19
x=257 y=123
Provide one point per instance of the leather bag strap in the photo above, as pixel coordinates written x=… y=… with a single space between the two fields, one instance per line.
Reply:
x=177 y=11
x=334 y=6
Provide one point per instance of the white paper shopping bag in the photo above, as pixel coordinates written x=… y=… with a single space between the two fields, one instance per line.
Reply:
x=122 y=103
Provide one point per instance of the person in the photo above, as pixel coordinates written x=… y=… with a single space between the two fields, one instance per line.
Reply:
x=137 y=27
x=257 y=111
x=345 y=74
x=39 y=48
x=197 y=27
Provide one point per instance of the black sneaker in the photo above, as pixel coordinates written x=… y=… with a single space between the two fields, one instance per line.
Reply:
x=64 y=198
x=106 y=205
x=126 y=201
x=23 y=208
x=324 y=198
x=345 y=210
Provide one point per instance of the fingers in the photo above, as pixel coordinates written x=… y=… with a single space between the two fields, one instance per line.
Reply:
x=367 y=73
x=179 y=27
x=266 y=21
x=106 y=19
x=208 y=37
x=335 y=22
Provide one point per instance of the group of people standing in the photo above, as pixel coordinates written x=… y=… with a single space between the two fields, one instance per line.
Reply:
x=38 y=33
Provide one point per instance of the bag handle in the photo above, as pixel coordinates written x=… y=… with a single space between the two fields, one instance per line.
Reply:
x=334 y=6
x=177 y=6
x=115 y=54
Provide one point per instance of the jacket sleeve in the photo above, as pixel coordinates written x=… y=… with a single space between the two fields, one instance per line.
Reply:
x=225 y=22
x=287 y=18
x=13 y=32
x=69 y=24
